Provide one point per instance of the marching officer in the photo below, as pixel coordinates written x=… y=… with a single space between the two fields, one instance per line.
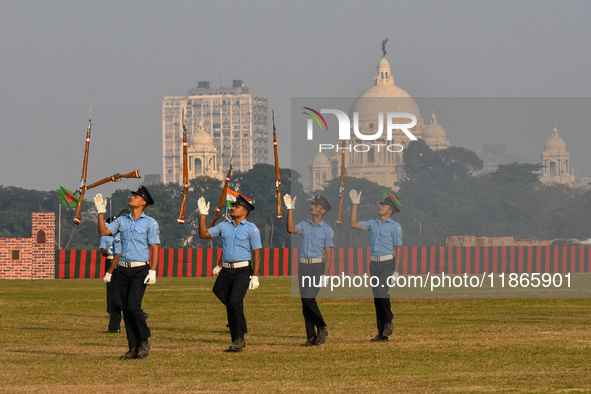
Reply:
x=385 y=237
x=240 y=239
x=314 y=263
x=140 y=241
x=111 y=247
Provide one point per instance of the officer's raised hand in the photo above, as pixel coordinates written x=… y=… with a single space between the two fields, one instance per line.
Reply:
x=100 y=203
x=203 y=206
x=289 y=202
x=355 y=197
x=254 y=283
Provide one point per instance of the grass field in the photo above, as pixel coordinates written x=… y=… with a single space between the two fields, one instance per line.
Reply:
x=51 y=341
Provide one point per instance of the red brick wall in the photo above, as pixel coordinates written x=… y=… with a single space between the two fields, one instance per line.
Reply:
x=36 y=260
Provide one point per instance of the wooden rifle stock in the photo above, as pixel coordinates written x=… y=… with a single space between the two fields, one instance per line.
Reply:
x=342 y=187
x=222 y=198
x=277 y=173
x=115 y=178
x=181 y=219
x=82 y=189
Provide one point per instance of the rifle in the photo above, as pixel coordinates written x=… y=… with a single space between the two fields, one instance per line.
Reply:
x=181 y=219
x=342 y=187
x=277 y=175
x=115 y=178
x=82 y=189
x=218 y=210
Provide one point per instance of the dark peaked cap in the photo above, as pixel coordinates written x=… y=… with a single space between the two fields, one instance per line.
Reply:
x=240 y=200
x=323 y=202
x=392 y=201
x=145 y=194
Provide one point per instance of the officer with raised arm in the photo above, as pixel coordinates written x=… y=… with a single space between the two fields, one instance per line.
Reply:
x=240 y=241
x=140 y=241
x=315 y=255
x=385 y=236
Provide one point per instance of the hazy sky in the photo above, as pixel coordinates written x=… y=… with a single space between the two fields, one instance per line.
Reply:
x=125 y=56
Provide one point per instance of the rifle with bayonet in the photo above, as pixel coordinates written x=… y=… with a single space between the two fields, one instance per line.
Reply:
x=277 y=171
x=115 y=178
x=218 y=210
x=181 y=219
x=342 y=187
x=82 y=188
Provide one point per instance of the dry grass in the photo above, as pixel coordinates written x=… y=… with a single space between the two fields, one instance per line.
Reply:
x=51 y=342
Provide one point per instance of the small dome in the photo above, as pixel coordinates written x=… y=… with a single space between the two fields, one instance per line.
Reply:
x=320 y=159
x=384 y=63
x=555 y=143
x=201 y=138
x=433 y=130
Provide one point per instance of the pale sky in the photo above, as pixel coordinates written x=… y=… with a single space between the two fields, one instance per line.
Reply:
x=126 y=56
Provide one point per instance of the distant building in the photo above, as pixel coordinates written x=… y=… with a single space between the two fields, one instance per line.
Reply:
x=150 y=179
x=232 y=118
x=556 y=162
x=495 y=154
x=202 y=157
x=381 y=166
x=585 y=182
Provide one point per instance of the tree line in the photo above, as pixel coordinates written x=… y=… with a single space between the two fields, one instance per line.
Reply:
x=443 y=194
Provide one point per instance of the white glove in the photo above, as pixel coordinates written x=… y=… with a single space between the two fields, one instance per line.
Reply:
x=289 y=202
x=395 y=275
x=324 y=280
x=151 y=278
x=203 y=206
x=254 y=283
x=355 y=197
x=107 y=278
x=101 y=203
x=216 y=270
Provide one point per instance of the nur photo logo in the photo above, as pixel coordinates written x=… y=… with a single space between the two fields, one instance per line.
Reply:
x=391 y=123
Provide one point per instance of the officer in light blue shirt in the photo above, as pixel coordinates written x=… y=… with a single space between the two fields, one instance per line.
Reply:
x=111 y=247
x=314 y=263
x=240 y=240
x=140 y=241
x=385 y=237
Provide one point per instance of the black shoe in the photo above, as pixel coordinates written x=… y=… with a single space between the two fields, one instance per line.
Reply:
x=388 y=329
x=309 y=342
x=379 y=338
x=236 y=346
x=131 y=354
x=144 y=349
x=321 y=338
x=111 y=331
x=146 y=315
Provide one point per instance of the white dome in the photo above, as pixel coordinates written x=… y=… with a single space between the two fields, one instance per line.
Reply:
x=433 y=130
x=555 y=143
x=384 y=63
x=384 y=97
x=320 y=159
x=201 y=138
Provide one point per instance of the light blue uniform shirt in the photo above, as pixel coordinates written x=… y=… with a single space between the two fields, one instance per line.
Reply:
x=112 y=244
x=314 y=238
x=107 y=243
x=382 y=236
x=136 y=236
x=237 y=241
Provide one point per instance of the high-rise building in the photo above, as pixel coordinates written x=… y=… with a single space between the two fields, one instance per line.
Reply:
x=235 y=119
